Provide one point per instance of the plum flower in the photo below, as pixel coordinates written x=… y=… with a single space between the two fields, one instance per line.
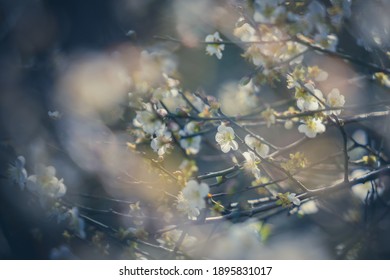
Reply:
x=225 y=138
x=147 y=119
x=162 y=142
x=245 y=32
x=317 y=74
x=251 y=161
x=192 y=198
x=190 y=144
x=269 y=116
x=294 y=199
x=335 y=99
x=45 y=183
x=312 y=127
x=307 y=101
x=216 y=49
x=18 y=173
x=253 y=143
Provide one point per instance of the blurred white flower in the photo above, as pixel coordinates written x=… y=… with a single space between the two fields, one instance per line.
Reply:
x=293 y=199
x=192 y=198
x=245 y=32
x=251 y=161
x=308 y=208
x=305 y=100
x=190 y=144
x=236 y=98
x=254 y=143
x=288 y=124
x=312 y=127
x=269 y=116
x=382 y=78
x=254 y=54
x=195 y=193
x=45 y=183
x=317 y=74
x=199 y=104
x=335 y=99
x=292 y=49
x=214 y=49
x=17 y=173
x=225 y=138
x=162 y=142
x=308 y=103
x=148 y=120
x=183 y=205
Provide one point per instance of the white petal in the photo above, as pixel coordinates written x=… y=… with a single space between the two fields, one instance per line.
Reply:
x=234 y=145
x=225 y=147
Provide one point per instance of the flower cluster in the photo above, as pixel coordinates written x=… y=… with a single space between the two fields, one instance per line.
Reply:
x=190 y=142
x=45 y=183
x=309 y=98
x=269 y=45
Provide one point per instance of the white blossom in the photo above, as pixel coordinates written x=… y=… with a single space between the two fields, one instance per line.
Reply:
x=321 y=76
x=225 y=138
x=305 y=100
x=245 y=32
x=162 y=142
x=214 y=49
x=45 y=183
x=148 y=120
x=335 y=99
x=269 y=116
x=308 y=208
x=307 y=103
x=237 y=98
x=312 y=127
x=251 y=161
x=190 y=144
x=255 y=55
x=254 y=143
x=288 y=124
x=192 y=198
